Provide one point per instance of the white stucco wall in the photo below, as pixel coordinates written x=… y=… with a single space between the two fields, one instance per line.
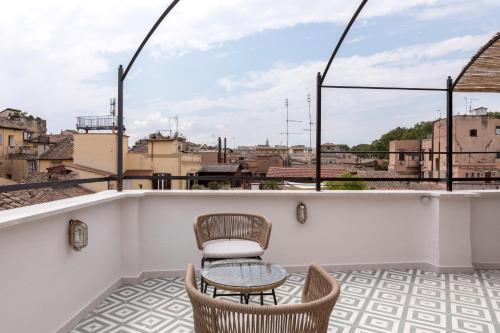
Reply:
x=485 y=230
x=43 y=282
x=138 y=233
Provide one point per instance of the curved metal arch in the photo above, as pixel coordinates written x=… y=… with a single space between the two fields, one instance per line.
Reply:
x=148 y=36
x=341 y=40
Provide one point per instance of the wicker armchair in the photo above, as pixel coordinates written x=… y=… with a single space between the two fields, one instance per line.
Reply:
x=319 y=296
x=227 y=235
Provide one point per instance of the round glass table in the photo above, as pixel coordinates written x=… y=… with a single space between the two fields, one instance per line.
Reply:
x=245 y=277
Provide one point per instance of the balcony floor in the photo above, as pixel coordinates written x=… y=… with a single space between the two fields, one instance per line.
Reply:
x=371 y=301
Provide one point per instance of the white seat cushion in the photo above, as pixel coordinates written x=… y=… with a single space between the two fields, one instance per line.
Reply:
x=231 y=248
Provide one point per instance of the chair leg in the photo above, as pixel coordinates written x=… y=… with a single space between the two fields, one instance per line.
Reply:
x=261 y=298
x=201 y=278
x=274 y=297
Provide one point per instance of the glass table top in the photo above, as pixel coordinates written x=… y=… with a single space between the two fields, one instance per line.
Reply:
x=244 y=273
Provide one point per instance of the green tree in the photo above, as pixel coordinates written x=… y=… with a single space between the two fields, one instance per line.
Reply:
x=271 y=185
x=343 y=147
x=418 y=132
x=213 y=185
x=362 y=147
x=354 y=184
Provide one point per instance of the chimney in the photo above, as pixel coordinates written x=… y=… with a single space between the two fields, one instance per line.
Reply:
x=219 y=151
x=225 y=151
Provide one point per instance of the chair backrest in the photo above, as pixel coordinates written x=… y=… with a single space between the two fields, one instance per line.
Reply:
x=232 y=225
x=211 y=315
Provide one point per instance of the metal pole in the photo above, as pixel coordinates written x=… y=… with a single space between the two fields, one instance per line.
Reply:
x=225 y=151
x=119 y=149
x=286 y=106
x=318 y=132
x=449 y=135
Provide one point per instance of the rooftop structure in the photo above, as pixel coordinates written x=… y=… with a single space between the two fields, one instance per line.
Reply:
x=96 y=123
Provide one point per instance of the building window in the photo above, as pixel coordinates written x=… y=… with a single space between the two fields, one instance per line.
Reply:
x=498 y=154
x=497 y=131
x=473 y=132
x=466 y=175
x=11 y=141
x=32 y=166
x=401 y=156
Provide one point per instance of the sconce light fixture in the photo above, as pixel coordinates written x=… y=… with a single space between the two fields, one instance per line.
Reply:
x=78 y=234
x=425 y=200
x=301 y=213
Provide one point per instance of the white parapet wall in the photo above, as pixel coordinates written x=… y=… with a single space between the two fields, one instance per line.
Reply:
x=141 y=234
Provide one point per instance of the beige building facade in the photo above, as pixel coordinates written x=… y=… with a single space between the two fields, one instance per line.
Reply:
x=471 y=133
x=94 y=155
x=476 y=132
x=161 y=155
x=405 y=161
x=19 y=138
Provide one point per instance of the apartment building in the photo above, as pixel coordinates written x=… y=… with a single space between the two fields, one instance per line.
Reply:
x=20 y=135
x=94 y=155
x=475 y=132
x=159 y=155
x=405 y=161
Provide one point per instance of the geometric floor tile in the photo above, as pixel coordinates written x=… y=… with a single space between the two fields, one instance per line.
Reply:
x=399 y=301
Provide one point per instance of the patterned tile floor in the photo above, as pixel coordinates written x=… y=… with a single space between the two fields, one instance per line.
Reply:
x=407 y=301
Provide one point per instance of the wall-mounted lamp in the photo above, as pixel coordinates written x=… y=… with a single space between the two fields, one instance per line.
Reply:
x=78 y=234
x=425 y=200
x=301 y=213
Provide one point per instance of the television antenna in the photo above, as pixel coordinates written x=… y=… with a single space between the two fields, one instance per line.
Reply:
x=310 y=130
x=468 y=104
x=288 y=121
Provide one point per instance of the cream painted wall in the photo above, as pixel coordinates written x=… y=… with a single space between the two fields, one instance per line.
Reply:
x=485 y=230
x=98 y=151
x=95 y=187
x=151 y=231
x=43 y=282
x=16 y=168
x=163 y=157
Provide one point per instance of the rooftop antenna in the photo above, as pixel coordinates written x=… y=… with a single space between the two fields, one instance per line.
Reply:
x=310 y=130
x=112 y=110
x=468 y=102
x=171 y=122
x=112 y=107
x=288 y=121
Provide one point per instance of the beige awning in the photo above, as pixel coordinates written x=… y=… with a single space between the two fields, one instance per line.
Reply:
x=482 y=73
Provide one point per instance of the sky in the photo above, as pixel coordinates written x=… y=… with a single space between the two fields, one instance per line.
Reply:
x=225 y=67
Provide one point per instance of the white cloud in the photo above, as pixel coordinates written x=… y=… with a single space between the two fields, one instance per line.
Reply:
x=255 y=109
x=54 y=53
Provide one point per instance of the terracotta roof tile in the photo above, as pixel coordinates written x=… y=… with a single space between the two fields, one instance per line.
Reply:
x=15 y=199
x=63 y=150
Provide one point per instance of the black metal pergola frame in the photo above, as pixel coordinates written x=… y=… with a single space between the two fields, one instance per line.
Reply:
x=320 y=78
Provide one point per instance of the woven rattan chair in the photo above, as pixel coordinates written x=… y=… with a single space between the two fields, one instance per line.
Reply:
x=319 y=296
x=229 y=236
